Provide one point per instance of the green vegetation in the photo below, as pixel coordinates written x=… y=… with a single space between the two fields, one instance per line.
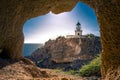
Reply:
x=93 y=68
x=90 y=35
x=72 y=72
x=58 y=70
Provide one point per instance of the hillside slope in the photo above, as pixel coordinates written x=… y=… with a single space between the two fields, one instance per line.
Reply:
x=64 y=52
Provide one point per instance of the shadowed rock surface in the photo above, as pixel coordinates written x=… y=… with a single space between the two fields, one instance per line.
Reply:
x=67 y=53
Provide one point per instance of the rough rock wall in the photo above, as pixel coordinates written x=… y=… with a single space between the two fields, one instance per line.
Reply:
x=109 y=21
x=91 y=46
x=65 y=50
x=13 y=14
x=66 y=53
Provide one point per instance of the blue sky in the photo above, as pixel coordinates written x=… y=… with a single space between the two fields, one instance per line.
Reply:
x=50 y=26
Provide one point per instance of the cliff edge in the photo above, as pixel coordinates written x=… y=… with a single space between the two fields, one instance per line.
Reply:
x=67 y=50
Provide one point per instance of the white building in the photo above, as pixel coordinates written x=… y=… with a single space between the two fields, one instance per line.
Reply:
x=78 y=32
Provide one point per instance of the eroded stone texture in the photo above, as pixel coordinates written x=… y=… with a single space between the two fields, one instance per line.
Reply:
x=108 y=16
x=65 y=50
x=13 y=14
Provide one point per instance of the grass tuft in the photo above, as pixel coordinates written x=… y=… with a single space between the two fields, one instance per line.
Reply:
x=93 y=68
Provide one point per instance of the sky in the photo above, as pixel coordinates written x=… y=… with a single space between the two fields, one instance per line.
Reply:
x=42 y=28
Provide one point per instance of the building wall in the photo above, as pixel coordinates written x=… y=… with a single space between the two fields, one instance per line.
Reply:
x=76 y=35
x=78 y=32
x=70 y=36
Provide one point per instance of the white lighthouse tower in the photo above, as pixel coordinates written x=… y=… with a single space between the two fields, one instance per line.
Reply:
x=78 y=31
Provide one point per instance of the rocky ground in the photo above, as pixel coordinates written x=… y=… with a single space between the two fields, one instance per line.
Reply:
x=26 y=70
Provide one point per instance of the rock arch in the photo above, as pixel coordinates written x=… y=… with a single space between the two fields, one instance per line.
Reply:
x=14 y=13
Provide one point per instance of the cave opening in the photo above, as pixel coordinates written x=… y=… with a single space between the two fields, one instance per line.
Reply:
x=15 y=13
x=80 y=21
